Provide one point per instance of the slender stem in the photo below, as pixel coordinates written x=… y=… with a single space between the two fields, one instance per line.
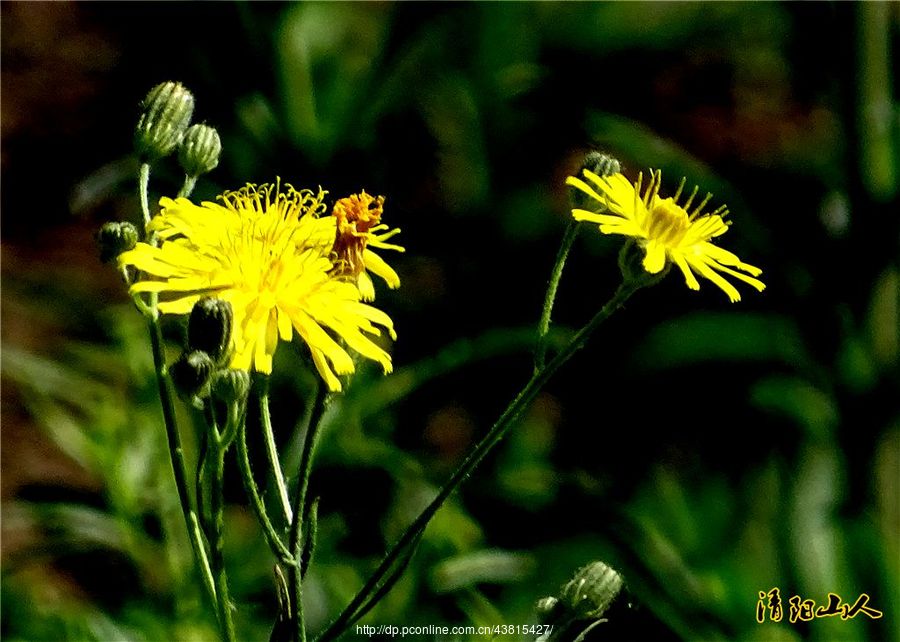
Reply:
x=143 y=191
x=217 y=501
x=187 y=187
x=296 y=539
x=477 y=454
x=278 y=548
x=176 y=453
x=202 y=486
x=540 y=352
x=272 y=451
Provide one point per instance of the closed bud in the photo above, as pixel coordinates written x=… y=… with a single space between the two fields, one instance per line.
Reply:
x=592 y=591
x=114 y=238
x=166 y=113
x=191 y=374
x=601 y=165
x=230 y=386
x=209 y=327
x=546 y=607
x=199 y=150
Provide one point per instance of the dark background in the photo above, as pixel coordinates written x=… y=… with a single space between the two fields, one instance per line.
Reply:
x=706 y=450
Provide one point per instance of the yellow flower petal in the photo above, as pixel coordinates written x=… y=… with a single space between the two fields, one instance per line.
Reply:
x=267 y=251
x=665 y=229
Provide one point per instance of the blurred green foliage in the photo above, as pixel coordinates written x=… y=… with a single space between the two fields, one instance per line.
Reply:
x=706 y=452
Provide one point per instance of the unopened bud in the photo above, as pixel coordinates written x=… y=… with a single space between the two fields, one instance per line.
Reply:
x=166 y=113
x=230 y=386
x=592 y=591
x=191 y=374
x=601 y=165
x=199 y=150
x=209 y=327
x=116 y=237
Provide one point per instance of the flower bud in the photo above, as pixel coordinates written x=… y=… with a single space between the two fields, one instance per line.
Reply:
x=166 y=112
x=199 y=150
x=230 y=386
x=191 y=374
x=592 y=591
x=601 y=165
x=209 y=327
x=116 y=237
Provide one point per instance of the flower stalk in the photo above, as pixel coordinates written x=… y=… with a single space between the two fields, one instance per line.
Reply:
x=272 y=449
x=176 y=453
x=540 y=353
x=299 y=540
x=219 y=446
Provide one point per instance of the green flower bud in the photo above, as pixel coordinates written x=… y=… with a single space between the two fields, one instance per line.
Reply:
x=191 y=374
x=230 y=386
x=209 y=327
x=114 y=238
x=547 y=607
x=199 y=150
x=166 y=113
x=599 y=164
x=592 y=591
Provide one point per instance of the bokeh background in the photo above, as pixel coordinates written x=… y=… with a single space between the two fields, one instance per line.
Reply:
x=706 y=450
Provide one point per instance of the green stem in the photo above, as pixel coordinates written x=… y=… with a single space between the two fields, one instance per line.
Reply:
x=143 y=191
x=201 y=491
x=217 y=501
x=540 y=352
x=272 y=451
x=296 y=539
x=176 y=453
x=187 y=187
x=476 y=455
x=278 y=548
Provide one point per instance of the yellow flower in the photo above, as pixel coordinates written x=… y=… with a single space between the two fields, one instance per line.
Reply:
x=265 y=251
x=359 y=227
x=665 y=229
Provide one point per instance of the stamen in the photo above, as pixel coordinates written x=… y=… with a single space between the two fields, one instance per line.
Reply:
x=678 y=191
x=637 y=190
x=656 y=186
x=691 y=198
x=701 y=206
x=646 y=197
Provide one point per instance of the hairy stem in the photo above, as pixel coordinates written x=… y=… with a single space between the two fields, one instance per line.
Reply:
x=176 y=453
x=296 y=539
x=272 y=451
x=259 y=508
x=540 y=352
x=217 y=501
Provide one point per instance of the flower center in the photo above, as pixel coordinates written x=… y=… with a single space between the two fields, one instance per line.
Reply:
x=356 y=216
x=667 y=222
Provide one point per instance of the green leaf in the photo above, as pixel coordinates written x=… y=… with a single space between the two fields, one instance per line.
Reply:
x=797 y=399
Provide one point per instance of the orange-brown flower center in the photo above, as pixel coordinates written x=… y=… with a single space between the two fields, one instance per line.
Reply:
x=356 y=216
